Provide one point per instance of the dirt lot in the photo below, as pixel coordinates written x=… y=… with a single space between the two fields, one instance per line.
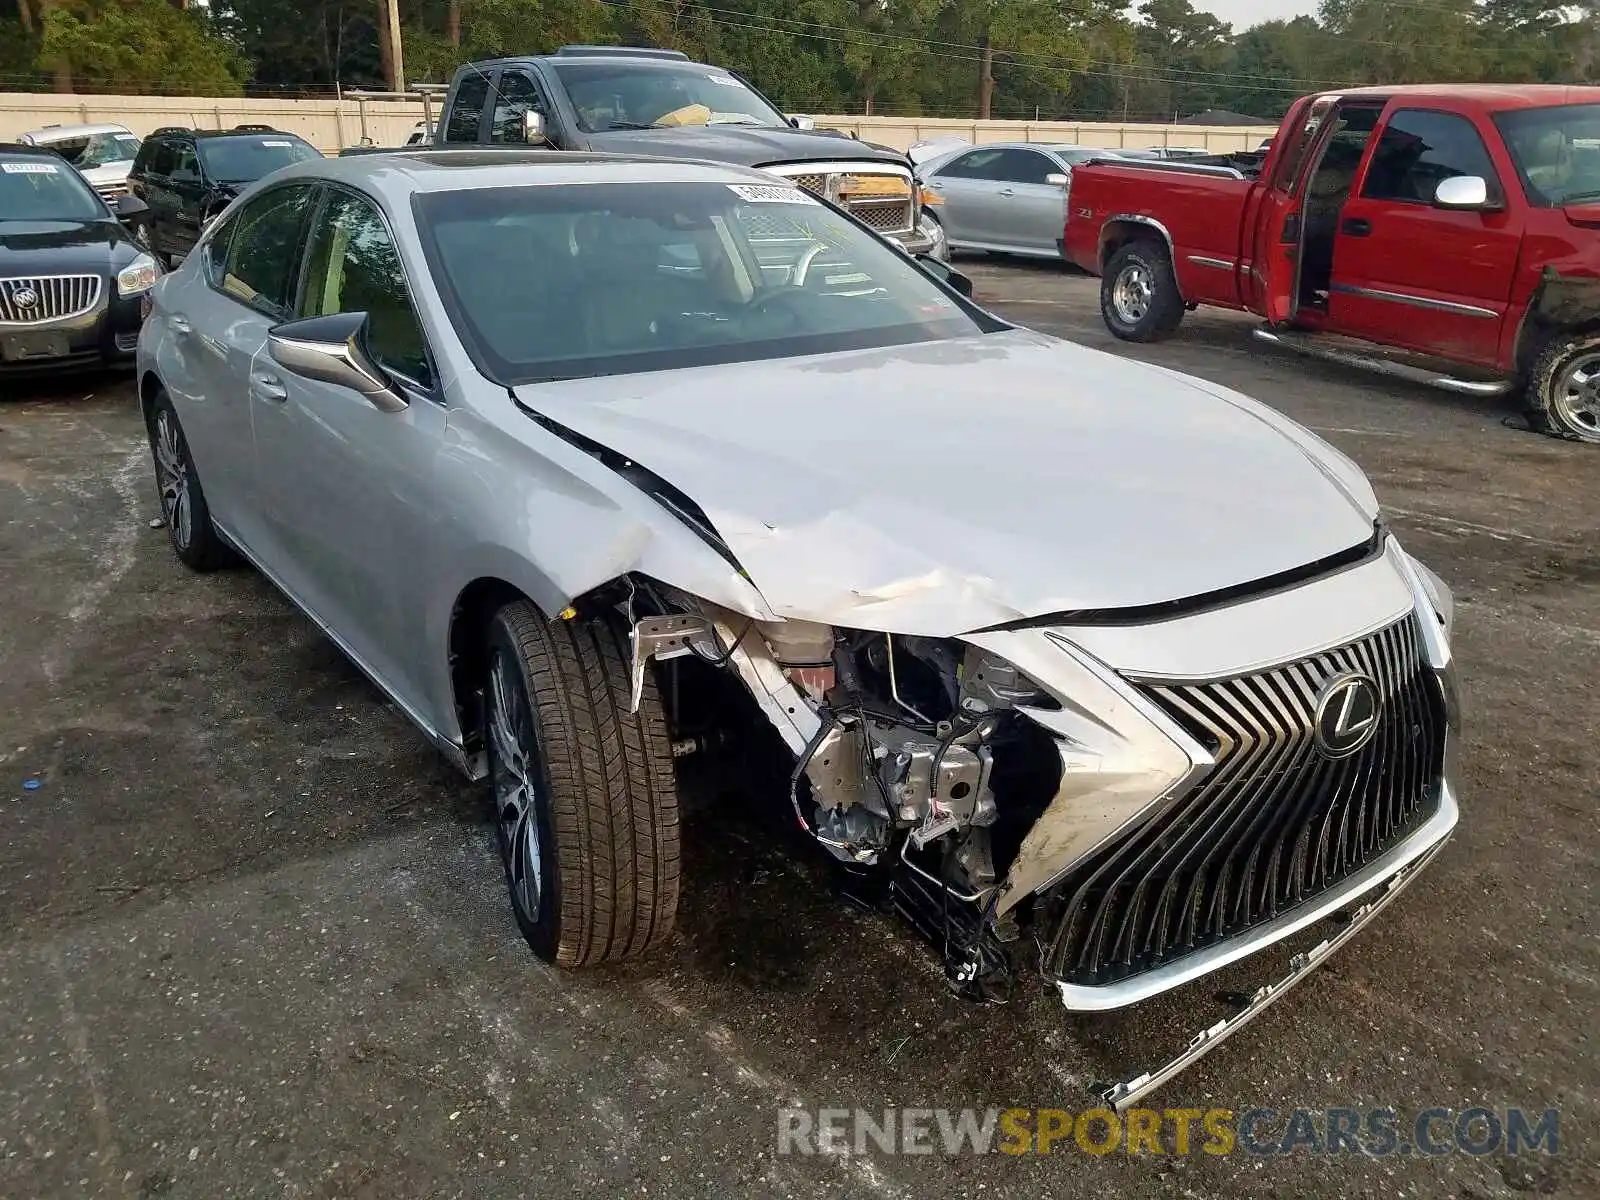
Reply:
x=255 y=941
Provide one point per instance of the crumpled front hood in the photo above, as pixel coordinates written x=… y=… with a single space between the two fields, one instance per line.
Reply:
x=743 y=145
x=944 y=487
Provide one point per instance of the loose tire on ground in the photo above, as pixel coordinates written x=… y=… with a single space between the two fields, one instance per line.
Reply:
x=602 y=828
x=1563 y=389
x=1139 y=297
x=194 y=538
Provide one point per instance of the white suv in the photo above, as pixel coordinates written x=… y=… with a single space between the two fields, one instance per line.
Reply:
x=103 y=154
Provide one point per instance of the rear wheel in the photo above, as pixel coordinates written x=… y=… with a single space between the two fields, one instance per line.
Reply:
x=1564 y=387
x=586 y=802
x=1139 y=297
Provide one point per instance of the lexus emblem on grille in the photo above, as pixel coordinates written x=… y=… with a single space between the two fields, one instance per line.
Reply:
x=1347 y=714
x=25 y=297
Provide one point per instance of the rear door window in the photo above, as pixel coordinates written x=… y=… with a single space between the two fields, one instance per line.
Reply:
x=466 y=110
x=162 y=160
x=265 y=249
x=975 y=164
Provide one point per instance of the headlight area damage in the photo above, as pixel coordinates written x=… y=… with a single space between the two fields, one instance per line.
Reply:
x=1027 y=807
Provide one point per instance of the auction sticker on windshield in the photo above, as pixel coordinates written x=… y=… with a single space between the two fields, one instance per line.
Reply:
x=760 y=194
x=28 y=168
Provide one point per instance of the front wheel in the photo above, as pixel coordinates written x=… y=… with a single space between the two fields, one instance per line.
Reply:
x=586 y=803
x=194 y=538
x=1563 y=393
x=1139 y=297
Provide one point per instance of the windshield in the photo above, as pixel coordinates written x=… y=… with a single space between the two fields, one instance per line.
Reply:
x=246 y=159
x=1556 y=151
x=95 y=149
x=631 y=95
x=601 y=279
x=36 y=189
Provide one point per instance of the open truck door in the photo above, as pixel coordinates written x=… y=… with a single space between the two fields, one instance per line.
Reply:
x=1273 y=284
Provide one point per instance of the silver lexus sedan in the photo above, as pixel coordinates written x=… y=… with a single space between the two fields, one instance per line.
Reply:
x=1087 y=667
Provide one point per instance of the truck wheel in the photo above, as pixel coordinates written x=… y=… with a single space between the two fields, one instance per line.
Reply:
x=586 y=802
x=1139 y=298
x=1564 y=387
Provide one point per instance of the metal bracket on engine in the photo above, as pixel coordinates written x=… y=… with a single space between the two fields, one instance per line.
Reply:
x=662 y=638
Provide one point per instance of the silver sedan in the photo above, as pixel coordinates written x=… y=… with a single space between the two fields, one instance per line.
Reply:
x=1008 y=197
x=593 y=463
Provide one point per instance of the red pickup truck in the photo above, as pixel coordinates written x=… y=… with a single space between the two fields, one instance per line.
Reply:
x=1446 y=233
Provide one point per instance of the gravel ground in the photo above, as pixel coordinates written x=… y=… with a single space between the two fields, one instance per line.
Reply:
x=255 y=941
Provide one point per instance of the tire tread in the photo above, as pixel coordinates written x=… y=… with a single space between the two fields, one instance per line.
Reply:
x=612 y=789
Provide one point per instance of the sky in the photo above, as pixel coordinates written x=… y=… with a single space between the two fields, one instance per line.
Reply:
x=1242 y=14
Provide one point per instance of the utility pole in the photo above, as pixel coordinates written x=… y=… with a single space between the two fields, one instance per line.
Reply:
x=390 y=34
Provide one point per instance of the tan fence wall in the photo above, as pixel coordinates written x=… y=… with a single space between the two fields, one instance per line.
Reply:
x=331 y=125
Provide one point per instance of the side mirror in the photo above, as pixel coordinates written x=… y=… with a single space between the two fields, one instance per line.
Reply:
x=334 y=350
x=1058 y=179
x=805 y=123
x=1462 y=191
x=131 y=210
x=533 y=129
x=946 y=274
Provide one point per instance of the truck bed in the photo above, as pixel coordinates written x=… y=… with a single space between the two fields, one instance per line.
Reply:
x=1201 y=207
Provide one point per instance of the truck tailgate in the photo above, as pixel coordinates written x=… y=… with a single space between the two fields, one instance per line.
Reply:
x=1202 y=211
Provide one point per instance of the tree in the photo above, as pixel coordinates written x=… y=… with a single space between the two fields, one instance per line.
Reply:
x=137 y=46
x=1387 y=41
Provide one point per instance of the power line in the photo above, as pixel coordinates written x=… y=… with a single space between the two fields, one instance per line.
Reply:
x=1131 y=72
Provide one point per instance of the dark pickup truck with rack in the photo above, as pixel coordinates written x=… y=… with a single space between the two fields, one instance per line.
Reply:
x=637 y=100
x=1445 y=233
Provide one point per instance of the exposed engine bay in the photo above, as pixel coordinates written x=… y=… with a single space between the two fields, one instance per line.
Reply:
x=915 y=765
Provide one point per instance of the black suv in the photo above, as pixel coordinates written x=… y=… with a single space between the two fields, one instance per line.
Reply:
x=187 y=176
x=640 y=100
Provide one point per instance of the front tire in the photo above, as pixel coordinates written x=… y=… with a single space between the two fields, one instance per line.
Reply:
x=194 y=538
x=586 y=803
x=1563 y=393
x=1139 y=297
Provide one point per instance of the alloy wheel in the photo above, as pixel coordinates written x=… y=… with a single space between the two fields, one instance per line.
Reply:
x=1575 y=400
x=514 y=771
x=172 y=474
x=1132 y=293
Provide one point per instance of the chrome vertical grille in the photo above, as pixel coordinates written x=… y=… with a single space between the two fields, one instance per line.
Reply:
x=35 y=300
x=1274 y=823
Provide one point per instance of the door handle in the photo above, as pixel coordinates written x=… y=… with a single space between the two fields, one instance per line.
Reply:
x=1007 y=192
x=1356 y=226
x=268 y=387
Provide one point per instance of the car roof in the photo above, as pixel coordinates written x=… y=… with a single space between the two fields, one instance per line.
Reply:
x=1493 y=96
x=19 y=150
x=632 y=60
x=175 y=131
x=431 y=169
x=61 y=133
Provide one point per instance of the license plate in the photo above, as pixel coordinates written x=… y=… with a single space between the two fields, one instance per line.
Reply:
x=23 y=347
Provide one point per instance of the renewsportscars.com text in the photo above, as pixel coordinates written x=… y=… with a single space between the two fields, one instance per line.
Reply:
x=1262 y=1132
